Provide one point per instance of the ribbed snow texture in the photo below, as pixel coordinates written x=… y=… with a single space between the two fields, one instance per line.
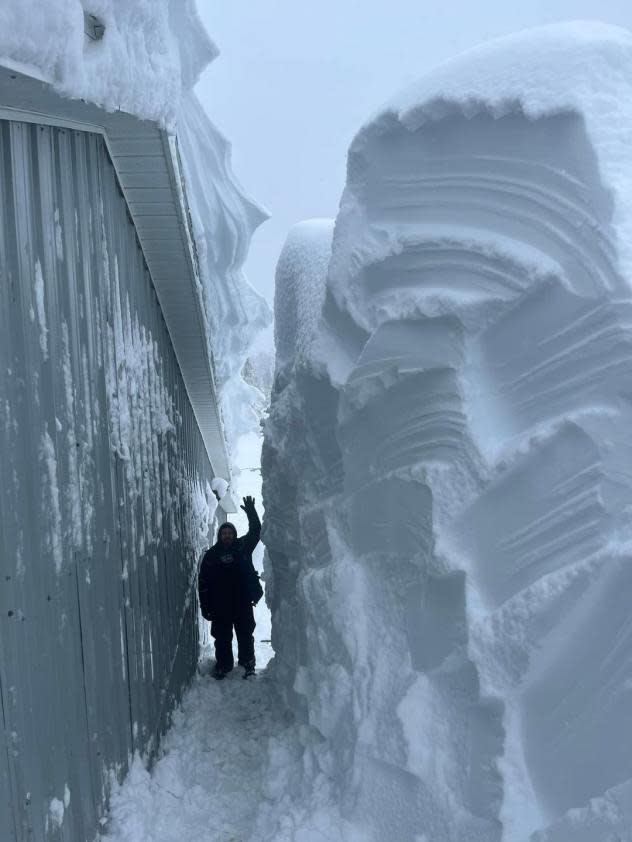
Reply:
x=448 y=476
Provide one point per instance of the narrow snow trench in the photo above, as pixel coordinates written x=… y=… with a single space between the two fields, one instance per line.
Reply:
x=208 y=783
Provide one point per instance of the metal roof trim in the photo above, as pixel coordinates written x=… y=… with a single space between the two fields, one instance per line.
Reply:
x=26 y=98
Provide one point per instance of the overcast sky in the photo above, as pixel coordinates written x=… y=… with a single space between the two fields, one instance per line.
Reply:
x=297 y=78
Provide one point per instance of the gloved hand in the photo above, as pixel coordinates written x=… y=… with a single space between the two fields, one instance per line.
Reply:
x=249 y=505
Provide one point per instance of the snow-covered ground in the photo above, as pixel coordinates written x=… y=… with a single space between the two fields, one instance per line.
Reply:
x=210 y=782
x=214 y=775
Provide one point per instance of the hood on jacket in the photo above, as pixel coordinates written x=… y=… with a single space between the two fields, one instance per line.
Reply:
x=230 y=526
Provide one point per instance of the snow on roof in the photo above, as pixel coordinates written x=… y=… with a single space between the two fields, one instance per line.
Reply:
x=581 y=66
x=148 y=56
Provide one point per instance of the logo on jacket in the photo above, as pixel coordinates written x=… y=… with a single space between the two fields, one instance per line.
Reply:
x=227 y=558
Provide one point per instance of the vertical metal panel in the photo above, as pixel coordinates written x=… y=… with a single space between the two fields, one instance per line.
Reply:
x=100 y=456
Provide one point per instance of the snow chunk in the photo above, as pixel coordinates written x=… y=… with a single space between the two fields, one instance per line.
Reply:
x=219 y=486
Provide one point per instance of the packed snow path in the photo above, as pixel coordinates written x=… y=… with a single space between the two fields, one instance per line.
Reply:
x=208 y=784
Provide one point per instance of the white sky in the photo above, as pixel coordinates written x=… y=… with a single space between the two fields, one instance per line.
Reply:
x=296 y=79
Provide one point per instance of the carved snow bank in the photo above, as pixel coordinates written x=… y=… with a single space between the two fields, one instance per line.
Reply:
x=448 y=462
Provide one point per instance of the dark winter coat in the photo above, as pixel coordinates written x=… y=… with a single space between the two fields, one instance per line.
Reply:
x=228 y=581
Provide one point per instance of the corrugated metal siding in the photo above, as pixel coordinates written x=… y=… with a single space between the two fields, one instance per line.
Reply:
x=104 y=475
x=146 y=162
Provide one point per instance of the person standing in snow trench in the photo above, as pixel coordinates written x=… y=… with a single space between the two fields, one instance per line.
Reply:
x=229 y=587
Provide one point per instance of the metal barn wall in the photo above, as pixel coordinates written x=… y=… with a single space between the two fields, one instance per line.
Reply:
x=103 y=490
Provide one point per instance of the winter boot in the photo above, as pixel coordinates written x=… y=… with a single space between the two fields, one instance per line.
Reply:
x=249 y=669
x=220 y=671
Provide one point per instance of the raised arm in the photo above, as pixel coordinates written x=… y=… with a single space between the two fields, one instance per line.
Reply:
x=251 y=538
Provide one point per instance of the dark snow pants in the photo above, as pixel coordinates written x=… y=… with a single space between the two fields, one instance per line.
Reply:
x=222 y=631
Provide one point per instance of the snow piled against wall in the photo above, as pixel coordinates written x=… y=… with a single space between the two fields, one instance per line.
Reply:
x=447 y=463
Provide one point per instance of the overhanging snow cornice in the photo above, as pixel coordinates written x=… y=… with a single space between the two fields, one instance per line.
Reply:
x=145 y=159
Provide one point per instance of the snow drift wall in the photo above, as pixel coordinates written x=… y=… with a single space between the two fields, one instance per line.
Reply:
x=448 y=470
